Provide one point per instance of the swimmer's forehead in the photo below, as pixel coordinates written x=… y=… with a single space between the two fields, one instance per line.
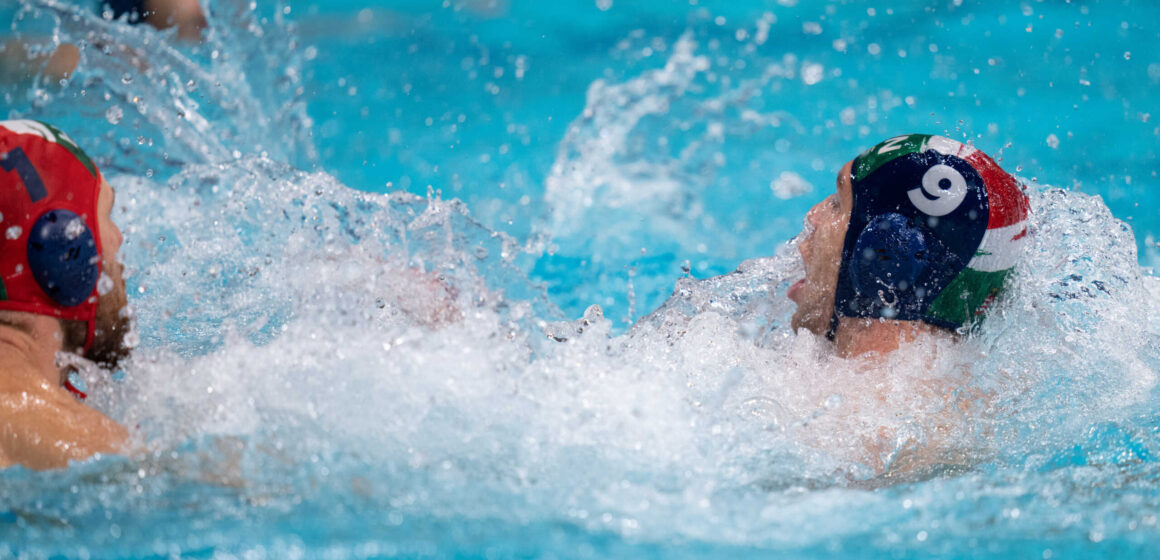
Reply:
x=869 y=161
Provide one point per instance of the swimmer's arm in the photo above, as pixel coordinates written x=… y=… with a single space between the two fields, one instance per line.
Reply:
x=44 y=427
x=18 y=64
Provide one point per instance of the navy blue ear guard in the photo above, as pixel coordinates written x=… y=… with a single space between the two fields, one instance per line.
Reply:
x=889 y=256
x=63 y=258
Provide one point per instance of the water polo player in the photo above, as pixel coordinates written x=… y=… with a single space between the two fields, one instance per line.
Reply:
x=62 y=295
x=920 y=236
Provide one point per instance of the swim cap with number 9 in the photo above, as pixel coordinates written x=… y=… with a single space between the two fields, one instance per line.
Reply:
x=936 y=229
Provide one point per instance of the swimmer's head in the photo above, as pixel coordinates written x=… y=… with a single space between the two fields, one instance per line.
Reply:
x=57 y=252
x=922 y=228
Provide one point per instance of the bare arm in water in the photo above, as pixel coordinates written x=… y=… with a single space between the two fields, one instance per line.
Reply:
x=42 y=426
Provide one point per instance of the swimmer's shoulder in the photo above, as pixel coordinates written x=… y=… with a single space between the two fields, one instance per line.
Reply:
x=44 y=427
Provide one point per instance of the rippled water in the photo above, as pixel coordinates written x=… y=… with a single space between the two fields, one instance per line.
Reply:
x=392 y=369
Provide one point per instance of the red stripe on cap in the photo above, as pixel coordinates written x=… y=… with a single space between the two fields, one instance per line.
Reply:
x=1008 y=204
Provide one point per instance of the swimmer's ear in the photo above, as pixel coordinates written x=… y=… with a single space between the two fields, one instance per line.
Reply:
x=889 y=255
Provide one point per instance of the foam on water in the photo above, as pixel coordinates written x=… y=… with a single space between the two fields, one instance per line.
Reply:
x=326 y=371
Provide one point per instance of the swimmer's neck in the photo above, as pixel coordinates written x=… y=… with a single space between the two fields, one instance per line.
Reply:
x=30 y=342
x=857 y=337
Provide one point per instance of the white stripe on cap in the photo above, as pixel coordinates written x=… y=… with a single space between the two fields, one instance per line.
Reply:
x=948 y=147
x=1001 y=248
x=32 y=127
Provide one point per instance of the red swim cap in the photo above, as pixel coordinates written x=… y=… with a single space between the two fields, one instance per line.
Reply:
x=50 y=246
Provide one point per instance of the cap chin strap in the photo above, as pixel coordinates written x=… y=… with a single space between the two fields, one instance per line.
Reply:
x=90 y=332
x=833 y=330
x=74 y=365
x=79 y=394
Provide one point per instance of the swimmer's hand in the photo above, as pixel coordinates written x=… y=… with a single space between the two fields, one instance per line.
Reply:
x=44 y=427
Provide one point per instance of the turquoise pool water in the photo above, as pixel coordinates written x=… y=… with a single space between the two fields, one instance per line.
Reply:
x=351 y=225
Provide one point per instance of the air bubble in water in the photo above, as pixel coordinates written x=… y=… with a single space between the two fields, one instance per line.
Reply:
x=114 y=114
x=126 y=78
x=1052 y=141
x=13 y=232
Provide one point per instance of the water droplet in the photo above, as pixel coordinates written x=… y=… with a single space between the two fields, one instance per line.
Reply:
x=13 y=232
x=812 y=73
x=789 y=185
x=104 y=284
x=74 y=229
x=126 y=78
x=114 y=114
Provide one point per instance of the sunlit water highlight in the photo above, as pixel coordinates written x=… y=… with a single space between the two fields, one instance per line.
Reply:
x=329 y=372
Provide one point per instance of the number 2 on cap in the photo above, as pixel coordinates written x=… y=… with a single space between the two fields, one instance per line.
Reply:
x=18 y=160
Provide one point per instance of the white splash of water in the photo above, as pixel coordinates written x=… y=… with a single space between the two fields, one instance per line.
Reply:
x=366 y=337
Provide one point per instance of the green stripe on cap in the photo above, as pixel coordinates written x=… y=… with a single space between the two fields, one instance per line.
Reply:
x=3 y=292
x=63 y=140
x=961 y=300
x=877 y=156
